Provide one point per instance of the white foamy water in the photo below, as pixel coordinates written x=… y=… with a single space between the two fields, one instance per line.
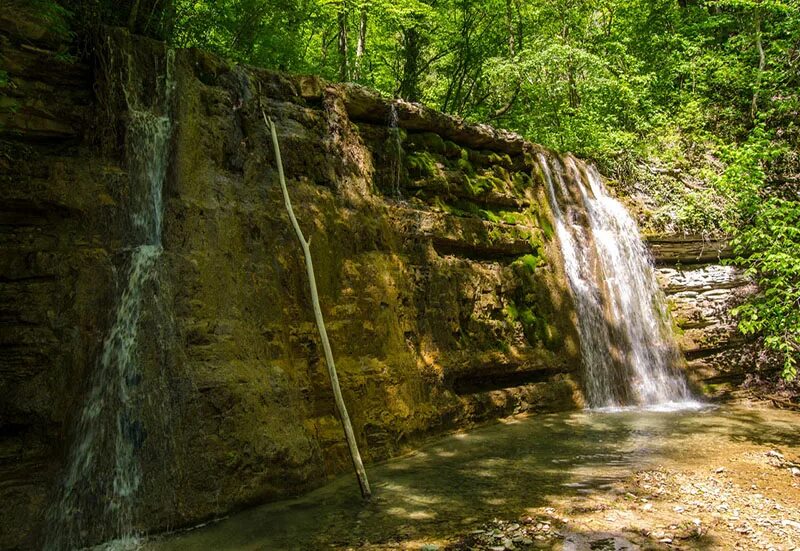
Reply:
x=629 y=352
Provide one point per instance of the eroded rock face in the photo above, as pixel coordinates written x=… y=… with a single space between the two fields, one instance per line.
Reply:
x=444 y=304
x=60 y=237
x=439 y=277
x=701 y=295
x=440 y=280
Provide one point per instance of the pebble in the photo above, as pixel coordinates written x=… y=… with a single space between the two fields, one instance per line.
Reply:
x=795 y=471
x=793 y=524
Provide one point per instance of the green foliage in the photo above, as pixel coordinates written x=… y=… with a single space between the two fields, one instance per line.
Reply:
x=602 y=79
x=529 y=262
x=688 y=87
x=534 y=327
x=767 y=243
x=478 y=185
x=490 y=216
x=422 y=163
x=465 y=166
x=699 y=211
x=55 y=16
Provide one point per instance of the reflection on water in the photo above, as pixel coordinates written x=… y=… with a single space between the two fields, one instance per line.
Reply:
x=664 y=407
x=495 y=471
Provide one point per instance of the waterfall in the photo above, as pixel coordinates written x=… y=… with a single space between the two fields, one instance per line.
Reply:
x=96 y=500
x=395 y=151
x=629 y=352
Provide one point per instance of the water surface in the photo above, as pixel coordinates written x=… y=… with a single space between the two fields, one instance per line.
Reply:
x=454 y=484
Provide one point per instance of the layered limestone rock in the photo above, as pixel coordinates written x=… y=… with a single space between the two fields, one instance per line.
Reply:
x=444 y=304
x=60 y=246
x=702 y=291
x=440 y=280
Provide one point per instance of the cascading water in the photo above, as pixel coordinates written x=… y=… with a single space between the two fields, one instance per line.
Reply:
x=395 y=151
x=629 y=352
x=96 y=501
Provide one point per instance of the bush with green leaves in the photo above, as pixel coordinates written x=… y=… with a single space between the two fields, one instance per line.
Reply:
x=766 y=229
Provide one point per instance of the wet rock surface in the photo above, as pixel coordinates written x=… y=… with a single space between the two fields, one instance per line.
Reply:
x=439 y=278
x=701 y=296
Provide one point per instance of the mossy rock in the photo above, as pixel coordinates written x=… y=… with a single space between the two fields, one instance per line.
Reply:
x=529 y=262
x=503 y=159
x=521 y=181
x=433 y=143
x=478 y=158
x=421 y=164
x=483 y=183
x=452 y=150
x=465 y=166
x=547 y=228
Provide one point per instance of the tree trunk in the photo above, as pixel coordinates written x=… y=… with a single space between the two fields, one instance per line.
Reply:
x=361 y=47
x=761 y=64
x=355 y=456
x=512 y=49
x=342 y=18
x=574 y=97
x=409 y=86
x=509 y=104
x=133 y=16
x=572 y=86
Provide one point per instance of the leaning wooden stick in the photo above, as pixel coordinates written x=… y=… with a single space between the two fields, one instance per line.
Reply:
x=361 y=474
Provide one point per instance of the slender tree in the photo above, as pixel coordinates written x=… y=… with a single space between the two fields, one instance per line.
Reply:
x=342 y=36
x=355 y=456
x=361 y=46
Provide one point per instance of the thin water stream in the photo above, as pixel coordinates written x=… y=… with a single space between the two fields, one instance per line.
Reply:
x=98 y=498
x=395 y=147
x=502 y=470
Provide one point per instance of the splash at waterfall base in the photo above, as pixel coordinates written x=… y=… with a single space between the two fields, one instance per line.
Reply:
x=448 y=303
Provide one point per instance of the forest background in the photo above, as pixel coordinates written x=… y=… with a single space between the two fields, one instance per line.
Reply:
x=689 y=107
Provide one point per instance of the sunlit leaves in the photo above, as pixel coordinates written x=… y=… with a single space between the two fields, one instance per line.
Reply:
x=767 y=242
x=618 y=80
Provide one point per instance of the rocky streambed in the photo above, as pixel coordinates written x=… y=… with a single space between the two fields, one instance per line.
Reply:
x=716 y=478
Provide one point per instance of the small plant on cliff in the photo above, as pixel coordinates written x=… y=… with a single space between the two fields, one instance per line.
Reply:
x=529 y=261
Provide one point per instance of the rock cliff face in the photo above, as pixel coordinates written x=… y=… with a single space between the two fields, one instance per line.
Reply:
x=702 y=291
x=439 y=276
x=440 y=279
x=60 y=244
